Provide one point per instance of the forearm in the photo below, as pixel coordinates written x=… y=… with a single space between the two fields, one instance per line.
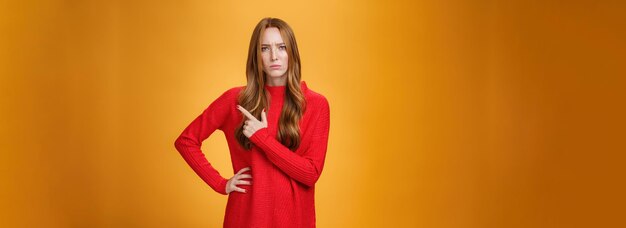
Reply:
x=305 y=170
x=194 y=157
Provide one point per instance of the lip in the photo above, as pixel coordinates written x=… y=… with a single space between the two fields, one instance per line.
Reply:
x=275 y=66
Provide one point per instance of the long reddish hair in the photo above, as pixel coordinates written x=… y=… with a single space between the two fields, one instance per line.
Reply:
x=254 y=97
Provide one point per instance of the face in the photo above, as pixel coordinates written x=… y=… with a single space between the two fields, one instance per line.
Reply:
x=274 y=53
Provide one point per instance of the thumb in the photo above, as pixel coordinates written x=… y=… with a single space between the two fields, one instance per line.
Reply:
x=263 y=116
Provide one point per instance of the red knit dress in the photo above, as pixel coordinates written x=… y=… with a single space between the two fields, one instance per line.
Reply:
x=283 y=181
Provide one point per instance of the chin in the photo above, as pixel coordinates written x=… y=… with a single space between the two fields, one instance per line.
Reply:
x=278 y=74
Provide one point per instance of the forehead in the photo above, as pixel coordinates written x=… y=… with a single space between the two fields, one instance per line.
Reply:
x=271 y=35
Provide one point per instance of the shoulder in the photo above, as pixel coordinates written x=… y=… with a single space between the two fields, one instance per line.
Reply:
x=315 y=99
x=228 y=98
x=233 y=92
x=230 y=94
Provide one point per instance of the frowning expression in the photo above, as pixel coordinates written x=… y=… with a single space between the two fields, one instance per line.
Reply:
x=274 y=53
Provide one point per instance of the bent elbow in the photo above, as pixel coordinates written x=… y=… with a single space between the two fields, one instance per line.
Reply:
x=179 y=143
x=311 y=179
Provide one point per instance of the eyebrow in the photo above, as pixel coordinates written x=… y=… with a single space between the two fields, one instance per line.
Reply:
x=269 y=44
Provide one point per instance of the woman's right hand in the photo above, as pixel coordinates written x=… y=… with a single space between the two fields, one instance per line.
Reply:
x=232 y=183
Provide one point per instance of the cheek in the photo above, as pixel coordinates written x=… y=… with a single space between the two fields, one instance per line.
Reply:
x=266 y=59
x=284 y=57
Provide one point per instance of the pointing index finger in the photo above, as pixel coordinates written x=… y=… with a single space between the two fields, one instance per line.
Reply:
x=246 y=113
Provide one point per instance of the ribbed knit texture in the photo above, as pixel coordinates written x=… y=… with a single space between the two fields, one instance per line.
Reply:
x=283 y=181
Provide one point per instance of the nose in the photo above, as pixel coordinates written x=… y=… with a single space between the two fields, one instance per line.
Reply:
x=273 y=55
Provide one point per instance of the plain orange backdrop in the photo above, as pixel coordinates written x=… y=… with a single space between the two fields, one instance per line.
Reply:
x=443 y=113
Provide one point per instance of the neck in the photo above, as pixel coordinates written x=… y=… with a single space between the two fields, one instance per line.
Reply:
x=276 y=81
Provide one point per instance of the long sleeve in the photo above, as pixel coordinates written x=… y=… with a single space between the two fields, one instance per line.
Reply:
x=189 y=142
x=305 y=168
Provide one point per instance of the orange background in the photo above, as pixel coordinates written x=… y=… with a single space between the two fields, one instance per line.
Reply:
x=443 y=113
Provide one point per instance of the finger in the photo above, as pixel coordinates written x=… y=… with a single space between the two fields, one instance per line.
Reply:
x=238 y=189
x=243 y=170
x=244 y=176
x=246 y=113
x=243 y=182
x=263 y=116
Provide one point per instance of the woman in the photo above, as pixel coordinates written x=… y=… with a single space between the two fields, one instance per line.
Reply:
x=277 y=133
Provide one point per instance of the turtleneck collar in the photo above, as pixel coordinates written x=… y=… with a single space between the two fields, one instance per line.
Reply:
x=279 y=90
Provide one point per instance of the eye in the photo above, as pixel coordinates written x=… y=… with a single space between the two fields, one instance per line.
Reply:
x=283 y=47
x=264 y=49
